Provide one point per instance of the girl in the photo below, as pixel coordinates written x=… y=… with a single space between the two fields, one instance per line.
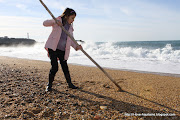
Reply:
x=58 y=45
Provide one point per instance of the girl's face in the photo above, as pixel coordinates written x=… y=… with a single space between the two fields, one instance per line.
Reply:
x=71 y=19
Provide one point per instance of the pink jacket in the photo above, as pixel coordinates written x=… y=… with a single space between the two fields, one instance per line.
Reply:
x=55 y=35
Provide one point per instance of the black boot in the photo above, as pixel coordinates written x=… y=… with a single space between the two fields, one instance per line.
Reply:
x=72 y=86
x=49 y=86
x=68 y=79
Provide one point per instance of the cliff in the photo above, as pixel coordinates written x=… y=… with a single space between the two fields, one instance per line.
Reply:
x=16 y=41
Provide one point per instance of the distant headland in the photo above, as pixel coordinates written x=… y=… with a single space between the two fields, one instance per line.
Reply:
x=5 y=41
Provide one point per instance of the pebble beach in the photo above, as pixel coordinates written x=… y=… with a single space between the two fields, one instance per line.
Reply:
x=146 y=96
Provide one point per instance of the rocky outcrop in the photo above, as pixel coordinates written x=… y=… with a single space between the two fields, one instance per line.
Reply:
x=5 y=41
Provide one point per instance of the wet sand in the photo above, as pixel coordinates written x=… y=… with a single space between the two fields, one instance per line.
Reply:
x=145 y=96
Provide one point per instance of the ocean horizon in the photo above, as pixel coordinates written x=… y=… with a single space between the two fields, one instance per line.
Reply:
x=141 y=56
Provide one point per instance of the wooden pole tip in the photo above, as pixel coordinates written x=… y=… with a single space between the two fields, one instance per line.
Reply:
x=120 y=90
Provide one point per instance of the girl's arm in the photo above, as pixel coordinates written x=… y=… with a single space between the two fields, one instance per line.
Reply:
x=48 y=23
x=76 y=47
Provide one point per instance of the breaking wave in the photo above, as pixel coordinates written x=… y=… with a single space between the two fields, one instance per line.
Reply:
x=154 y=56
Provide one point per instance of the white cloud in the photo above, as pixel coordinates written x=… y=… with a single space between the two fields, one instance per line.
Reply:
x=13 y=26
x=21 y=6
x=96 y=20
x=126 y=11
x=59 y=5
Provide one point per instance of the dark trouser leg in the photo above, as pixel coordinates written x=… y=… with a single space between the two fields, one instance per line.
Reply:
x=65 y=69
x=54 y=68
x=51 y=79
x=67 y=74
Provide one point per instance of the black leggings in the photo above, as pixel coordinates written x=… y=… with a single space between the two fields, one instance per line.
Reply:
x=54 y=63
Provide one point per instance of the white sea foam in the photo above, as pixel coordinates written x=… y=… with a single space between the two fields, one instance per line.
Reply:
x=165 y=60
x=110 y=55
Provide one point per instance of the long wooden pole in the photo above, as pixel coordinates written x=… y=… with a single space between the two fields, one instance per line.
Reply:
x=72 y=38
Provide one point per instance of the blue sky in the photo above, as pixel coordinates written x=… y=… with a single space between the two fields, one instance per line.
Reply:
x=97 y=20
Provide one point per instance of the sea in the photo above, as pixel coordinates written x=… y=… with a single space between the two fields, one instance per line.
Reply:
x=159 y=57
